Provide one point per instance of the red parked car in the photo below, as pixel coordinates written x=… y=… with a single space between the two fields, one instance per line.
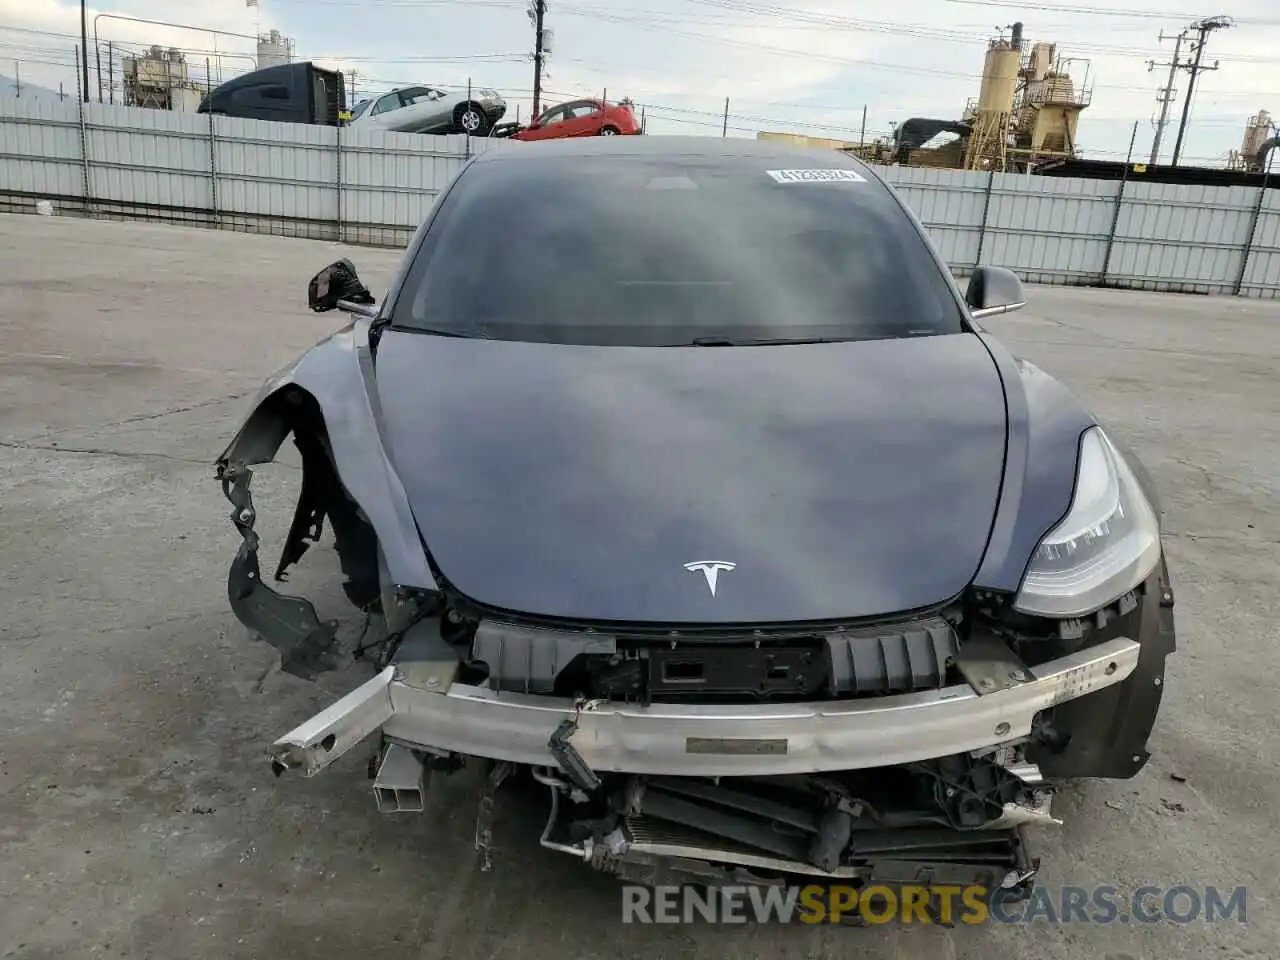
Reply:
x=582 y=118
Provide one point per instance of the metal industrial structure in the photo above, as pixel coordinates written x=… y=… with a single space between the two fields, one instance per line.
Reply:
x=1028 y=108
x=160 y=79
x=1026 y=115
x=990 y=115
x=273 y=49
x=1259 y=140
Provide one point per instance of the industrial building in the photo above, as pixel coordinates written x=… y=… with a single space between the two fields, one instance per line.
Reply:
x=274 y=49
x=161 y=78
x=1255 y=149
x=1026 y=114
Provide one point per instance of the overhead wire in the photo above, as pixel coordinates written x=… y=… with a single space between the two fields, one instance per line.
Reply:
x=1110 y=12
x=811 y=55
x=662 y=21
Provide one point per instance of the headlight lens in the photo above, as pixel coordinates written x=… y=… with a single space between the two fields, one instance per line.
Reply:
x=1108 y=543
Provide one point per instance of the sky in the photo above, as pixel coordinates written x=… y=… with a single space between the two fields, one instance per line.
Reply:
x=802 y=66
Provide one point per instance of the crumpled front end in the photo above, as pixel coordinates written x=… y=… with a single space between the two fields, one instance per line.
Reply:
x=909 y=748
x=916 y=754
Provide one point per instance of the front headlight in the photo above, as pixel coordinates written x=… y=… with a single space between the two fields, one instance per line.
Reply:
x=1108 y=543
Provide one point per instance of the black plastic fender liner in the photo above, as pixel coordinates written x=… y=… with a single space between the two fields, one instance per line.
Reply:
x=1107 y=731
x=308 y=517
x=307 y=645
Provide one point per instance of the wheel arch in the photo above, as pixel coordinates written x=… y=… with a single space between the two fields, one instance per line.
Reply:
x=327 y=401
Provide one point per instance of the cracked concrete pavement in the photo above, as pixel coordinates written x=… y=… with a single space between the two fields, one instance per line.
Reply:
x=138 y=816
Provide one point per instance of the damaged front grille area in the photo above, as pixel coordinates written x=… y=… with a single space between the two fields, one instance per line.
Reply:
x=728 y=667
x=954 y=820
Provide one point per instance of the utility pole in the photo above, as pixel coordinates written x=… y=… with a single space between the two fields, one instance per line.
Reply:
x=17 y=78
x=111 y=73
x=84 y=49
x=1165 y=95
x=1203 y=28
x=538 y=14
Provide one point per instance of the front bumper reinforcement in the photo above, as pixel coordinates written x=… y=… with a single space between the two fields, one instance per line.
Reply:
x=421 y=712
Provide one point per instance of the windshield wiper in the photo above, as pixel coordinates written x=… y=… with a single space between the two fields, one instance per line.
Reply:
x=464 y=333
x=719 y=341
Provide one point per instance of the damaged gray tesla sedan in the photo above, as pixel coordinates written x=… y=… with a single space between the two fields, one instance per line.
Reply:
x=680 y=476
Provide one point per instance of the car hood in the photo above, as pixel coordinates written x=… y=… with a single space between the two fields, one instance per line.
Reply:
x=841 y=481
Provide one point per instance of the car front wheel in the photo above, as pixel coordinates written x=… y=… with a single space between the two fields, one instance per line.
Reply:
x=471 y=119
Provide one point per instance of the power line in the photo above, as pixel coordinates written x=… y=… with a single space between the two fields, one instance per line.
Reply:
x=1108 y=12
x=1203 y=28
x=474 y=58
x=1164 y=96
x=810 y=55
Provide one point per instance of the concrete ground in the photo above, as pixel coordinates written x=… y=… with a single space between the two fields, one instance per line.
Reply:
x=137 y=814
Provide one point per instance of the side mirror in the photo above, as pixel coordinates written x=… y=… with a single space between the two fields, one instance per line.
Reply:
x=336 y=285
x=992 y=291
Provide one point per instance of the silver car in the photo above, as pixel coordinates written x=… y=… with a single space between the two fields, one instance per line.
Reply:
x=431 y=110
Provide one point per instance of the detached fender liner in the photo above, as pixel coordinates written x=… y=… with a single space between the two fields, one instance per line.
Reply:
x=307 y=645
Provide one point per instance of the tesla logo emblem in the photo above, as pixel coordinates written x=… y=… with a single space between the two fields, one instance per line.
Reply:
x=709 y=569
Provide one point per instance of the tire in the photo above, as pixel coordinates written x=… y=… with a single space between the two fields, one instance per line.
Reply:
x=469 y=118
x=607 y=131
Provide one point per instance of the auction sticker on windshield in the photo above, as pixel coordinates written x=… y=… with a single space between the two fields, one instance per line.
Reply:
x=816 y=176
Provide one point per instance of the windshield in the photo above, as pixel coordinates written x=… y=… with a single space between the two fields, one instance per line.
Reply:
x=650 y=251
x=360 y=108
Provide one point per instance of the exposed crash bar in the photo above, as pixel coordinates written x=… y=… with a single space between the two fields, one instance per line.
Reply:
x=704 y=740
x=336 y=729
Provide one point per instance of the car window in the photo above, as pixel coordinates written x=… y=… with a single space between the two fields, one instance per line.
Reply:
x=583 y=110
x=415 y=95
x=634 y=250
x=390 y=102
x=554 y=115
x=257 y=92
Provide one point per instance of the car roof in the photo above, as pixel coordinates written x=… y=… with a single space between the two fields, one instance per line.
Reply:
x=675 y=147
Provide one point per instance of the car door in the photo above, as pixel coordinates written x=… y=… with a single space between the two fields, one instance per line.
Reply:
x=583 y=119
x=381 y=114
x=424 y=110
x=548 y=125
x=415 y=106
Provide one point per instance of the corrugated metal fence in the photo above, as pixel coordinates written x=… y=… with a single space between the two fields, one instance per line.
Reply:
x=374 y=188
x=324 y=183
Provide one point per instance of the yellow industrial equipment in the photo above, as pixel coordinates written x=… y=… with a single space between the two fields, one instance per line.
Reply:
x=1048 y=107
x=990 y=115
x=1257 y=133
